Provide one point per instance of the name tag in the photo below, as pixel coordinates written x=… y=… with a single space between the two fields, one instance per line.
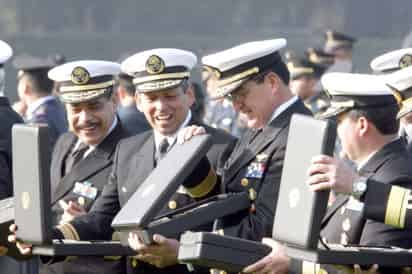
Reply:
x=85 y=189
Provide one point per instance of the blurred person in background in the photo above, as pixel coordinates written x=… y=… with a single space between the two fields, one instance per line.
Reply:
x=389 y=63
x=304 y=76
x=341 y=47
x=37 y=103
x=132 y=119
x=8 y=117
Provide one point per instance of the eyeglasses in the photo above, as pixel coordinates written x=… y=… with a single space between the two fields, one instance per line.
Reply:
x=237 y=95
x=241 y=93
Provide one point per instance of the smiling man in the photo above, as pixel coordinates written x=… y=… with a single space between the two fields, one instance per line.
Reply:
x=82 y=158
x=255 y=79
x=164 y=95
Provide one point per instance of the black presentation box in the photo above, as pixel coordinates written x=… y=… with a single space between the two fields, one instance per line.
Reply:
x=140 y=213
x=31 y=168
x=220 y=252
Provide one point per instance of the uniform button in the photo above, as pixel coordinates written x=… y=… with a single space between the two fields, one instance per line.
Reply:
x=252 y=194
x=342 y=210
x=172 y=204
x=134 y=263
x=124 y=189
x=244 y=182
x=223 y=272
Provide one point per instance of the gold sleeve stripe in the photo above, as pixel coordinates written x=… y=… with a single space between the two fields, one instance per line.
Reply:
x=404 y=208
x=204 y=187
x=69 y=232
x=396 y=206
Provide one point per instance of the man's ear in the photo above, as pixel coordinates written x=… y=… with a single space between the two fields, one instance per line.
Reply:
x=363 y=125
x=273 y=81
x=190 y=93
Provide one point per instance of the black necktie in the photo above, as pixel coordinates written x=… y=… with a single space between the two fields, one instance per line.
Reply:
x=162 y=149
x=75 y=156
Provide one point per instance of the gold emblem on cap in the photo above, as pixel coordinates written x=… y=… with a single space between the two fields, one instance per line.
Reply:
x=155 y=65
x=244 y=182
x=172 y=204
x=80 y=76
x=25 y=200
x=405 y=61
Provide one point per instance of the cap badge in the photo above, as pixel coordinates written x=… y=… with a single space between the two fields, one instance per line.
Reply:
x=155 y=65
x=80 y=76
x=405 y=61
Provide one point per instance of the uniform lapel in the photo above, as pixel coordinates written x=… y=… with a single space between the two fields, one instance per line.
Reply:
x=95 y=161
x=262 y=141
x=143 y=162
x=59 y=155
x=339 y=202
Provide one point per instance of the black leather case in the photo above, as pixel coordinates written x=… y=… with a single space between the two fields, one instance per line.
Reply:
x=220 y=252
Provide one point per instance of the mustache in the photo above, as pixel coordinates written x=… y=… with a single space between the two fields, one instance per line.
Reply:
x=87 y=125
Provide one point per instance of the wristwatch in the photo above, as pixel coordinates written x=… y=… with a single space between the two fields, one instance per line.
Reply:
x=359 y=187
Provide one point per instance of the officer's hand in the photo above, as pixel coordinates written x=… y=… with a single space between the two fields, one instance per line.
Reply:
x=326 y=172
x=277 y=262
x=161 y=254
x=24 y=248
x=71 y=211
x=185 y=134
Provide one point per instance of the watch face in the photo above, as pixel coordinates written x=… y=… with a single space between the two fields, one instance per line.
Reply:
x=361 y=186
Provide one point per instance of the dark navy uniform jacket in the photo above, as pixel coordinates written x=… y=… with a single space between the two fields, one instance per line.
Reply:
x=51 y=113
x=133 y=162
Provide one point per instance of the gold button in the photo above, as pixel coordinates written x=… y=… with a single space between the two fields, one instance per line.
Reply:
x=223 y=272
x=322 y=271
x=244 y=182
x=172 y=204
x=252 y=194
x=134 y=263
